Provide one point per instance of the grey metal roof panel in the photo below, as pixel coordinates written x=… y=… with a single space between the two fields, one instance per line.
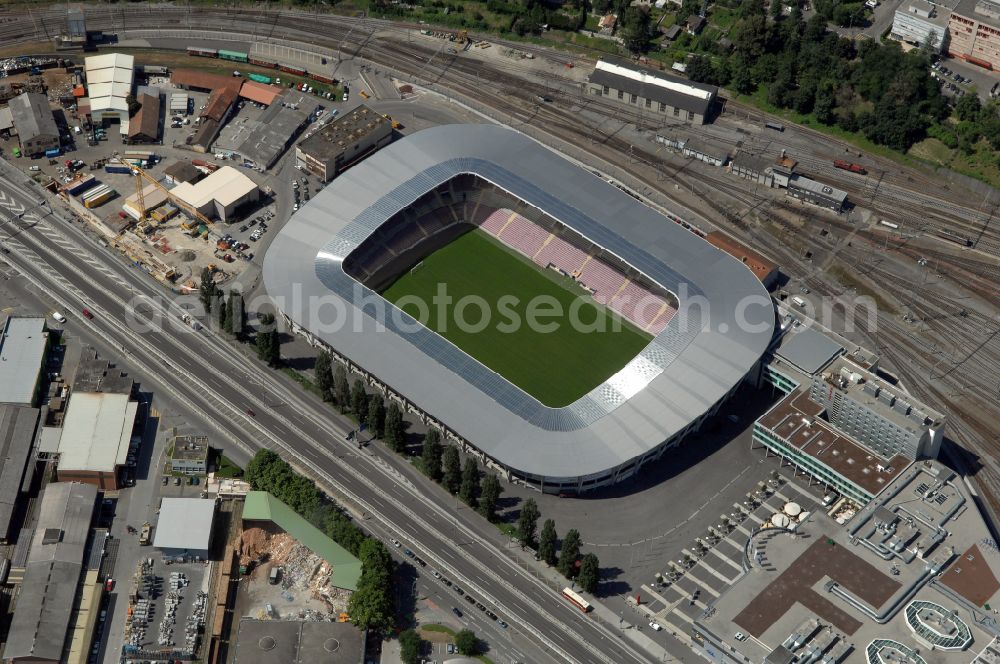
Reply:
x=724 y=325
x=656 y=93
x=32 y=116
x=22 y=349
x=808 y=350
x=17 y=432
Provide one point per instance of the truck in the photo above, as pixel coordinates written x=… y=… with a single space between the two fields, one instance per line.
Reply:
x=145 y=534
x=117 y=168
x=798 y=301
x=274 y=576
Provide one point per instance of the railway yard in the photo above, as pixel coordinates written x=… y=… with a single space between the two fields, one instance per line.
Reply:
x=910 y=269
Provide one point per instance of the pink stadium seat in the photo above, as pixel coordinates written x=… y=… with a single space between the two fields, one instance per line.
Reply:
x=561 y=254
x=599 y=277
x=524 y=236
x=495 y=221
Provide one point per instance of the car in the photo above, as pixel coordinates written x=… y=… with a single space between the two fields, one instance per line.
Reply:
x=480 y=606
x=409 y=554
x=253 y=222
x=165 y=480
x=436 y=574
x=459 y=591
x=244 y=227
x=446 y=582
x=177 y=481
x=87 y=314
x=457 y=611
x=345 y=96
x=419 y=561
x=295 y=207
x=451 y=648
x=395 y=542
x=109 y=585
x=58 y=317
x=740 y=636
x=492 y=615
x=470 y=599
x=656 y=626
x=502 y=624
x=197 y=480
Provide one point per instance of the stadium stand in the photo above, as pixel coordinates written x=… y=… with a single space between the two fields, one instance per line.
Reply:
x=493 y=223
x=522 y=235
x=600 y=279
x=561 y=255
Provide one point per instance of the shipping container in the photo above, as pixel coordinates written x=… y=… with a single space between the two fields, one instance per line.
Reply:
x=146 y=155
x=798 y=301
x=99 y=200
x=889 y=224
x=95 y=191
x=54 y=152
x=77 y=188
x=202 y=52
x=260 y=78
x=117 y=169
x=235 y=56
x=139 y=163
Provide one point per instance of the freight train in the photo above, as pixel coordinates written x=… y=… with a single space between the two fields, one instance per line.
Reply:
x=847 y=166
x=237 y=56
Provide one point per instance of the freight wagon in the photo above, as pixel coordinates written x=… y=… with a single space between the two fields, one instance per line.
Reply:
x=235 y=56
x=955 y=237
x=53 y=152
x=263 y=63
x=203 y=52
x=846 y=166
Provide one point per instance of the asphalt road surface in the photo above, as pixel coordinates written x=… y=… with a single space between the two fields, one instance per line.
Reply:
x=206 y=372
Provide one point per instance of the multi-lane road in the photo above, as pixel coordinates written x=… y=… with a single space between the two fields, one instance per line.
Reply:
x=204 y=371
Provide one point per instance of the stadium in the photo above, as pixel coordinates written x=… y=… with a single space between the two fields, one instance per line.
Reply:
x=425 y=268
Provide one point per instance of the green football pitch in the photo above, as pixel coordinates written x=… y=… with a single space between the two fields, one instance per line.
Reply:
x=556 y=366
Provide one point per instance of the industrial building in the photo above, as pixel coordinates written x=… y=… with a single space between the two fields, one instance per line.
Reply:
x=910 y=579
x=94 y=374
x=144 y=127
x=180 y=103
x=817 y=193
x=189 y=455
x=184 y=528
x=343 y=142
x=153 y=196
x=109 y=83
x=652 y=91
x=470 y=172
x=50 y=594
x=220 y=195
x=838 y=421
x=33 y=121
x=96 y=433
x=974 y=32
x=276 y=129
x=194 y=79
x=23 y=348
x=17 y=433
x=182 y=171
x=298 y=642
x=262 y=510
x=919 y=22
x=262 y=93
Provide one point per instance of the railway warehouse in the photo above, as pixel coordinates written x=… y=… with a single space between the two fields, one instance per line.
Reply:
x=417 y=209
x=652 y=91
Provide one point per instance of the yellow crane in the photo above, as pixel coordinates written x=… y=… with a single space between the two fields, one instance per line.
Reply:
x=140 y=175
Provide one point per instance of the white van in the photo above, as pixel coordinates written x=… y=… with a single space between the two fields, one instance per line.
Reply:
x=59 y=317
x=35 y=168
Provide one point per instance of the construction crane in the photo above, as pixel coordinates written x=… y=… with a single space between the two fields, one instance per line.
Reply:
x=141 y=174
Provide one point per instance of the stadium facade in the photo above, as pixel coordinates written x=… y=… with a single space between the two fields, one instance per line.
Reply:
x=724 y=324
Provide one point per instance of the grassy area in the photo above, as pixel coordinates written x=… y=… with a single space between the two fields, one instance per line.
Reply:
x=224 y=466
x=484 y=658
x=437 y=628
x=551 y=360
x=981 y=164
x=851 y=279
x=302 y=380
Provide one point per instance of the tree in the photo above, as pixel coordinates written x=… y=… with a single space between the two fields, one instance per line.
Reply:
x=341 y=388
x=568 y=554
x=590 y=573
x=376 y=415
x=394 y=434
x=359 y=401
x=469 y=491
x=968 y=108
x=224 y=311
x=236 y=315
x=324 y=375
x=452 y=470
x=466 y=642
x=410 y=645
x=268 y=342
x=634 y=29
x=133 y=104
x=527 y=521
x=547 y=542
x=371 y=605
x=775 y=9
x=489 y=495
x=206 y=290
x=430 y=459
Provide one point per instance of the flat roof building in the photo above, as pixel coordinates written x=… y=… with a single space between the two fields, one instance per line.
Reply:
x=144 y=127
x=95 y=438
x=17 y=433
x=974 y=32
x=276 y=129
x=919 y=22
x=184 y=528
x=36 y=128
x=23 y=347
x=342 y=142
x=55 y=561
x=298 y=642
x=220 y=194
x=651 y=91
x=94 y=374
x=817 y=193
x=109 y=83
x=189 y=455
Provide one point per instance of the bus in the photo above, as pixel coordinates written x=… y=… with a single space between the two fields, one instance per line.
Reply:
x=577 y=601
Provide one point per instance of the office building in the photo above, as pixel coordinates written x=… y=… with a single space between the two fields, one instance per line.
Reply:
x=189 y=455
x=919 y=22
x=974 y=33
x=343 y=142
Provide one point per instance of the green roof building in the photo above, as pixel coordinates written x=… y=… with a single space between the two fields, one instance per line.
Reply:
x=262 y=506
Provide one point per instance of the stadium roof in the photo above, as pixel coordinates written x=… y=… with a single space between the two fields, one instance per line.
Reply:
x=262 y=506
x=109 y=81
x=55 y=560
x=96 y=431
x=225 y=186
x=725 y=323
x=185 y=523
x=22 y=349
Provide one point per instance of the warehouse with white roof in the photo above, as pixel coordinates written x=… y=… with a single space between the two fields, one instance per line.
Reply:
x=184 y=528
x=94 y=444
x=109 y=83
x=652 y=92
x=220 y=195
